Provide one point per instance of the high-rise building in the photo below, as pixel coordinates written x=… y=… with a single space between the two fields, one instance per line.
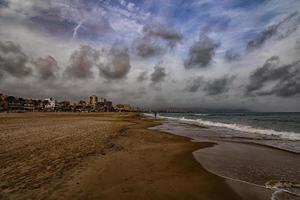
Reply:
x=102 y=100
x=93 y=101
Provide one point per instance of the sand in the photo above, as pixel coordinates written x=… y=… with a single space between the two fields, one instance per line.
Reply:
x=99 y=156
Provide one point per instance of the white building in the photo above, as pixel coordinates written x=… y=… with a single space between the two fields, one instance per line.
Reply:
x=51 y=103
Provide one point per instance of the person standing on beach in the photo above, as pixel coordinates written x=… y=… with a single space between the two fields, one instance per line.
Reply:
x=155 y=113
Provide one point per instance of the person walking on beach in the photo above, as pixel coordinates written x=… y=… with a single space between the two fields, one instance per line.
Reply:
x=155 y=114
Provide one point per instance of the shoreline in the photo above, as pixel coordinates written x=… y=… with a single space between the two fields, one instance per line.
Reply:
x=106 y=156
x=232 y=132
x=234 y=162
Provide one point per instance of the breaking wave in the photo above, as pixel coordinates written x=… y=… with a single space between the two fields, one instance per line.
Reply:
x=239 y=127
x=283 y=189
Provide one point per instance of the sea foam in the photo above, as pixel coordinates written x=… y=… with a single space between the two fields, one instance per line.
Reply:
x=239 y=127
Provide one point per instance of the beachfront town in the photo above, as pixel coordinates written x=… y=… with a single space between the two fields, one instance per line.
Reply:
x=94 y=104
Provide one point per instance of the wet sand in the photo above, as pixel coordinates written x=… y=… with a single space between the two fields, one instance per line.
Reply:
x=100 y=156
x=250 y=162
x=247 y=166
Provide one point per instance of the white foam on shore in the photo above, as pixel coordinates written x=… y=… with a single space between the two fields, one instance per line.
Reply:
x=201 y=114
x=148 y=114
x=242 y=128
x=283 y=187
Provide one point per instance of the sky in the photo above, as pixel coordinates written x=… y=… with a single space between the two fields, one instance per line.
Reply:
x=229 y=54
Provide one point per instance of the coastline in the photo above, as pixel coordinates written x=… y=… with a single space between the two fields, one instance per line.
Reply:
x=106 y=156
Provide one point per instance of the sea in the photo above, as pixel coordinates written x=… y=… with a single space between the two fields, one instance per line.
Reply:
x=277 y=129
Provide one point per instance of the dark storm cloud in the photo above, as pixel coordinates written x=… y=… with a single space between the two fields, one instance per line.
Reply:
x=282 y=79
x=281 y=30
x=195 y=84
x=218 y=86
x=3 y=3
x=230 y=55
x=117 y=65
x=297 y=47
x=201 y=52
x=13 y=61
x=142 y=77
x=156 y=40
x=262 y=75
x=82 y=62
x=145 y=48
x=157 y=30
x=211 y=87
x=158 y=75
x=47 y=68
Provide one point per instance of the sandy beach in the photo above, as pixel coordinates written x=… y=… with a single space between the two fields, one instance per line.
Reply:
x=106 y=156
x=92 y=156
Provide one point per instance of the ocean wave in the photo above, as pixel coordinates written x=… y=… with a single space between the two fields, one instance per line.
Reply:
x=201 y=114
x=148 y=114
x=240 y=127
x=283 y=187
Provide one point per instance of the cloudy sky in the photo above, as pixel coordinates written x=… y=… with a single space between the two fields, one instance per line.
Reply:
x=153 y=53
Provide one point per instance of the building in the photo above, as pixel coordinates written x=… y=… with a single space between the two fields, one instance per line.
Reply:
x=50 y=104
x=109 y=106
x=38 y=105
x=104 y=106
x=82 y=103
x=29 y=105
x=65 y=106
x=81 y=106
x=102 y=100
x=15 y=104
x=3 y=102
x=93 y=101
x=123 y=108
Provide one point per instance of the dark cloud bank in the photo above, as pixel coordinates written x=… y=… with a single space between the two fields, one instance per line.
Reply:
x=171 y=36
x=218 y=86
x=201 y=52
x=158 y=75
x=210 y=87
x=156 y=40
x=112 y=64
x=82 y=62
x=13 y=61
x=146 y=48
x=47 y=68
x=275 y=79
x=143 y=76
x=277 y=31
x=118 y=64
x=195 y=84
